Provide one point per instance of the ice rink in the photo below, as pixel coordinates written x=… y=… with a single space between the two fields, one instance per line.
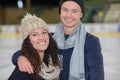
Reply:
x=110 y=44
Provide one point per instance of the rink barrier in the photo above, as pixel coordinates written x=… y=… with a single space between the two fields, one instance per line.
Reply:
x=107 y=34
x=99 y=34
x=10 y=35
x=101 y=30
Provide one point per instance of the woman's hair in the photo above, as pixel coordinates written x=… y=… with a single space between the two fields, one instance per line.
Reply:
x=33 y=56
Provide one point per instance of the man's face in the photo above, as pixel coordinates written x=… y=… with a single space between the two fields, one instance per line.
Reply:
x=70 y=14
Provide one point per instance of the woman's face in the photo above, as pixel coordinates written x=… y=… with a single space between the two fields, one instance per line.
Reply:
x=70 y=14
x=39 y=39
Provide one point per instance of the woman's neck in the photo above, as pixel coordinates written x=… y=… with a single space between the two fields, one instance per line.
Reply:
x=41 y=55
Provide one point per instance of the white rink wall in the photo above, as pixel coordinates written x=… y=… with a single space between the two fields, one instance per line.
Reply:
x=96 y=27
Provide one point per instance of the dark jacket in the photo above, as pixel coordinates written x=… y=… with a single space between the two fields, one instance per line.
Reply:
x=18 y=75
x=94 y=69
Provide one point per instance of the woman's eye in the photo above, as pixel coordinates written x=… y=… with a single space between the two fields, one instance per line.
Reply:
x=34 y=34
x=44 y=32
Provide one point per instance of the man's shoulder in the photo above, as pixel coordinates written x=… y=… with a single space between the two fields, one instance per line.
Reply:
x=91 y=39
x=91 y=36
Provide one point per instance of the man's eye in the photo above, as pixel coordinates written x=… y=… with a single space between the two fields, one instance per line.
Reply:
x=75 y=11
x=64 y=9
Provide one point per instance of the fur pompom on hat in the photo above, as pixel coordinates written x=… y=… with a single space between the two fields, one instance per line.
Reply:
x=80 y=3
x=31 y=22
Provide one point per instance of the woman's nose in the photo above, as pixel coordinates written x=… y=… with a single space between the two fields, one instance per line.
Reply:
x=41 y=36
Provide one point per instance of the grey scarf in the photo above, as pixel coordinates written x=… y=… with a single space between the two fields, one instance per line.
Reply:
x=76 y=40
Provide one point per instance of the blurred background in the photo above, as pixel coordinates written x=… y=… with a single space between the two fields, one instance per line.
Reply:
x=102 y=19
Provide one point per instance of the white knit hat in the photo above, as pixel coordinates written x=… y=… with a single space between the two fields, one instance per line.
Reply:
x=30 y=23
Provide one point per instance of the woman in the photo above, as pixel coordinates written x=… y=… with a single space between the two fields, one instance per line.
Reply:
x=40 y=49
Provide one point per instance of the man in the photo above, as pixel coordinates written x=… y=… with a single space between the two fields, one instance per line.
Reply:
x=80 y=52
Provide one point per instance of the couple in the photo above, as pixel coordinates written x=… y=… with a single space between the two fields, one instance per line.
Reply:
x=79 y=56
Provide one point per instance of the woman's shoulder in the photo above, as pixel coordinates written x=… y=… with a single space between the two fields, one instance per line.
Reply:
x=18 y=75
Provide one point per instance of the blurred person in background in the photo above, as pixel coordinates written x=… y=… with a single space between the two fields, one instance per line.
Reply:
x=40 y=49
x=80 y=51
